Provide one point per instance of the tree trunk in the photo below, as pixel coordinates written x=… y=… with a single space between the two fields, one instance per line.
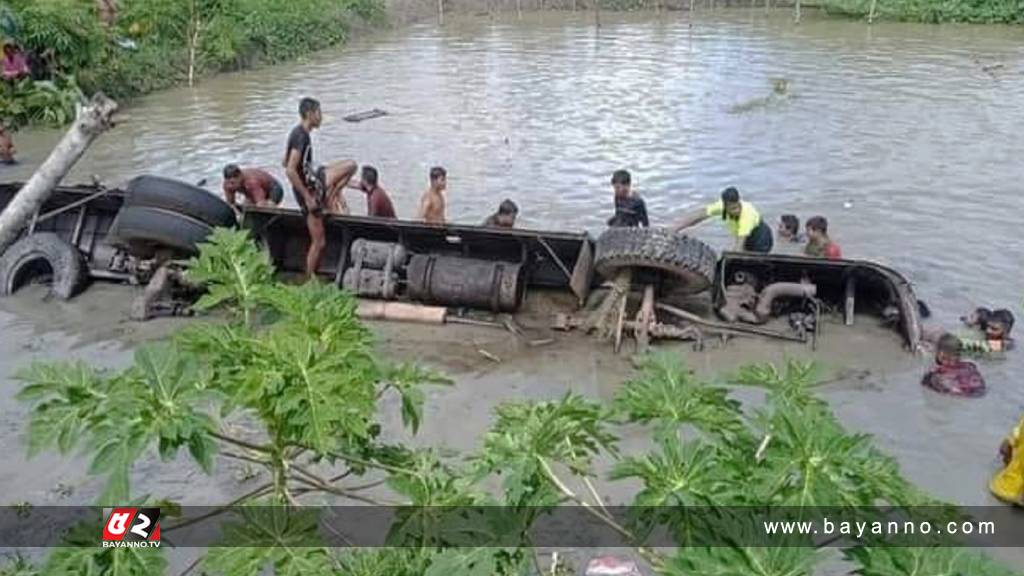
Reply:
x=797 y=19
x=871 y=13
x=440 y=12
x=193 y=45
x=91 y=120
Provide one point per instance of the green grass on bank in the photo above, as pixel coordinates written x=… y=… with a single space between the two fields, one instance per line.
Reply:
x=154 y=43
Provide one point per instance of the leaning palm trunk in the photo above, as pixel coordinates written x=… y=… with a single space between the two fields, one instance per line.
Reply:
x=91 y=120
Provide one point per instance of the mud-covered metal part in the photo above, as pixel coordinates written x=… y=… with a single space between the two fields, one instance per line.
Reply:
x=740 y=300
x=685 y=263
x=457 y=281
x=375 y=255
x=780 y=290
x=373 y=283
x=162 y=296
x=877 y=287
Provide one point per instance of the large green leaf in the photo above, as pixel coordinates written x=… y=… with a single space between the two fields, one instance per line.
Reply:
x=795 y=385
x=66 y=398
x=234 y=272
x=386 y=561
x=743 y=561
x=938 y=561
x=84 y=557
x=528 y=436
x=668 y=394
x=462 y=562
x=263 y=535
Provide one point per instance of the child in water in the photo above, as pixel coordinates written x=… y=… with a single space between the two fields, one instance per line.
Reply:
x=951 y=375
x=996 y=326
x=789 y=228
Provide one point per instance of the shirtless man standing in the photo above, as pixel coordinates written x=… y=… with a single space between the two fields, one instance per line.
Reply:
x=315 y=188
x=432 y=204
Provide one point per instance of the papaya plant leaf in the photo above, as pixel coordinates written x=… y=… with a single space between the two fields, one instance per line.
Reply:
x=668 y=394
x=680 y=484
x=528 y=436
x=390 y=561
x=263 y=535
x=738 y=560
x=795 y=384
x=82 y=556
x=66 y=397
x=234 y=272
x=936 y=561
x=408 y=379
x=472 y=562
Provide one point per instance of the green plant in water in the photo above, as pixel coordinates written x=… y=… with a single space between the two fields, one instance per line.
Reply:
x=296 y=364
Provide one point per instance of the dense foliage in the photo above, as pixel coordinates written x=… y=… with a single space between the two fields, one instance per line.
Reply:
x=296 y=367
x=156 y=43
x=932 y=11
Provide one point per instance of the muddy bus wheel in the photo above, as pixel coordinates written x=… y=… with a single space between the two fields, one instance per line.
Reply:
x=181 y=197
x=685 y=264
x=144 y=231
x=43 y=257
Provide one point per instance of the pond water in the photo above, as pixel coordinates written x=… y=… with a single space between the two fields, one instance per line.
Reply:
x=906 y=137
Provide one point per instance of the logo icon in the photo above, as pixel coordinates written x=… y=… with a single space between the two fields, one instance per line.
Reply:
x=132 y=528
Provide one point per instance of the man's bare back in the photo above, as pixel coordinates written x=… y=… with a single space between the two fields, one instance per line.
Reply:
x=432 y=204
x=432 y=208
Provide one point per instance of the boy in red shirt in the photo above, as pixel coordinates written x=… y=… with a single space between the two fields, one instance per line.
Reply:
x=818 y=242
x=951 y=375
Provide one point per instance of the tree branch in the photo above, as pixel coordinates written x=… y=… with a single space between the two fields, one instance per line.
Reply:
x=339 y=492
x=240 y=443
x=191 y=566
x=259 y=491
x=245 y=458
x=378 y=465
x=650 y=555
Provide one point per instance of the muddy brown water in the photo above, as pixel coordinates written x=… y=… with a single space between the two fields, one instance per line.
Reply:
x=906 y=137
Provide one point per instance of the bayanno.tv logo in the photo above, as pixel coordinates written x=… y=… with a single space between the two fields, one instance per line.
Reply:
x=132 y=528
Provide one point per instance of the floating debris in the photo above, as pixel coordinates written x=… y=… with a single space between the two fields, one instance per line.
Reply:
x=367 y=115
x=780 y=93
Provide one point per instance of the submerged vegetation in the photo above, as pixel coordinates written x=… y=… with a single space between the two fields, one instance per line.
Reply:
x=288 y=382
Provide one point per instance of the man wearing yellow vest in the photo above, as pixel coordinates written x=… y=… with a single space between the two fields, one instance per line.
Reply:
x=740 y=217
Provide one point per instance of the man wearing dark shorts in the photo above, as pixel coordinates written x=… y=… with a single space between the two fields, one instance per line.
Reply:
x=316 y=189
x=307 y=185
x=257 y=186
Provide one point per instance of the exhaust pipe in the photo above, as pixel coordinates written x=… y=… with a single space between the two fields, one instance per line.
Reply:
x=781 y=289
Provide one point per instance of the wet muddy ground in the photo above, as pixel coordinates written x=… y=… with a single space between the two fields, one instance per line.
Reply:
x=873 y=387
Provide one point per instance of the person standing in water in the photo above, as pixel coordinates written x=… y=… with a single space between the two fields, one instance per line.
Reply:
x=630 y=209
x=505 y=217
x=740 y=217
x=432 y=204
x=316 y=189
x=378 y=203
